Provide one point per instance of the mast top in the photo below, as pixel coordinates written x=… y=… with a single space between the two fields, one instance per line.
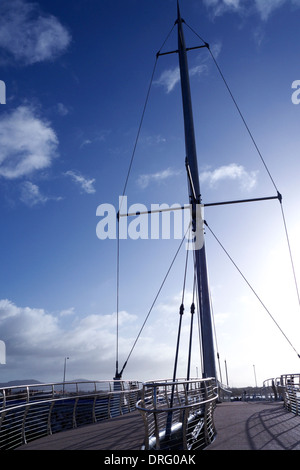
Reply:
x=179 y=19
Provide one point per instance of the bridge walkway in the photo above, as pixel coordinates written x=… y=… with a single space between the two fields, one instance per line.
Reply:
x=124 y=432
x=255 y=426
x=239 y=425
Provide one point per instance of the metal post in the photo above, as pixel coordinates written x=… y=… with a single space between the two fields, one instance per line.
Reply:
x=255 y=375
x=65 y=366
x=209 y=368
x=226 y=373
x=220 y=371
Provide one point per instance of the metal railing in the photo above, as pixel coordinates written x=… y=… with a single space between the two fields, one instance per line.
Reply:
x=270 y=389
x=287 y=388
x=29 y=412
x=224 y=393
x=178 y=415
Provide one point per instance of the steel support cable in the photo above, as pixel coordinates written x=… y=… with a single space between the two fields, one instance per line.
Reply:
x=192 y=310
x=260 y=155
x=118 y=294
x=155 y=299
x=290 y=252
x=249 y=285
x=181 y=312
x=214 y=327
x=142 y=117
x=191 y=328
x=198 y=318
x=138 y=133
x=269 y=173
x=124 y=190
x=213 y=320
x=215 y=335
x=121 y=202
x=236 y=105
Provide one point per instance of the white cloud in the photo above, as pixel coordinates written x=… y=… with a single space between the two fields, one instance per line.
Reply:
x=37 y=342
x=98 y=136
x=221 y=6
x=35 y=325
x=146 y=179
x=27 y=143
x=169 y=78
x=247 y=180
x=86 y=142
x=87 y=185
x=153 y=140
x=198 y=70
x=31 y=195
x=216 y=49
x=28 y=35
x=62 y=109
x=68 y=311
x=263 y=7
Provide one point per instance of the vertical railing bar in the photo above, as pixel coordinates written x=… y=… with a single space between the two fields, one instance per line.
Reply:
x=23 y=433
x=4 y=398
x=49 y=426
x=109 y=405
x=74 y=424
x=94 y=409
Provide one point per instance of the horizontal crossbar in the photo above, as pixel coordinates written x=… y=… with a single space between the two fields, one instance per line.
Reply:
x=188 y=206
x=188 y=49
x=244 y=200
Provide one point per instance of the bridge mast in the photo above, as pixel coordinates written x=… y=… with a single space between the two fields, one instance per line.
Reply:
x=209 y=368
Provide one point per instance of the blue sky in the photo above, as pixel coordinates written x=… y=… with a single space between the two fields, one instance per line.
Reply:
x=76 y=75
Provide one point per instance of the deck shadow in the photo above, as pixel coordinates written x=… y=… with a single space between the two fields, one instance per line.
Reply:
x=273 y=428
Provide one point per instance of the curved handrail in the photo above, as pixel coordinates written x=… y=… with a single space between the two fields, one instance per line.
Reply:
x=28 y=412
x=178 y=414
x=174 y=408
x=287 y=388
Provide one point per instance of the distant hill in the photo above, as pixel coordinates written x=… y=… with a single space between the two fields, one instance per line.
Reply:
x=14 y=383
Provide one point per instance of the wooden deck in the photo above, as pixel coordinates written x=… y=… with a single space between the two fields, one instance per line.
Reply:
x=240 y=426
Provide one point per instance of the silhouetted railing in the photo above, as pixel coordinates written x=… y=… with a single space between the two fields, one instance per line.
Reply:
x=31 y=411
x=287 y=388
x=224 y=393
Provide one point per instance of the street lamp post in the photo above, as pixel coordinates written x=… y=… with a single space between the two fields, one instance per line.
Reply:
x=226 y=373
x=255 y=375
x=65 y=366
